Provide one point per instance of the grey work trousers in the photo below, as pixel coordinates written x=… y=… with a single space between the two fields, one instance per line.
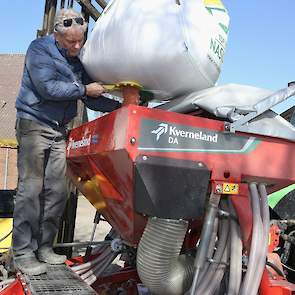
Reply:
x=42 y=190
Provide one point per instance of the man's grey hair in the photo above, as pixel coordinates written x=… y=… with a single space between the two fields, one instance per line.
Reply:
x=70 y=13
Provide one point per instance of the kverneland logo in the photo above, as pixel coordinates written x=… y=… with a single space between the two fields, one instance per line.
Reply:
x=174 y=133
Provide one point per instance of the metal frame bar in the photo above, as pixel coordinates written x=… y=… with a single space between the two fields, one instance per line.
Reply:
x=89 y=8
x=102 y=3
x=261 y=107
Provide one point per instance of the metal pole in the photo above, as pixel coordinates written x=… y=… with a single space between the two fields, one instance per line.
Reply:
x=48 y=18
x=41 y=33
x=62 y=4
x=52 y=11
x=91 y=9
x=102 y=3
x=86 y=17
x=6 y=168
x=45 y=18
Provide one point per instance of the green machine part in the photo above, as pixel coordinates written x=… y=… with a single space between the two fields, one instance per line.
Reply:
x=274 y=198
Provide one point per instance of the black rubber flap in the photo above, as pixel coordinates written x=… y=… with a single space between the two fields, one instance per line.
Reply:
x=170 y=188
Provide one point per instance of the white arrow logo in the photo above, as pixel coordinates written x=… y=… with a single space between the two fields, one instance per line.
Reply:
x=163 y=128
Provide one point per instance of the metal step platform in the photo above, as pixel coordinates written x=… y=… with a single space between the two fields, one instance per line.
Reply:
x=59 y=280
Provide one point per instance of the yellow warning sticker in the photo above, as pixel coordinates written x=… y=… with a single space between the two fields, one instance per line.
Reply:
x=230 y=188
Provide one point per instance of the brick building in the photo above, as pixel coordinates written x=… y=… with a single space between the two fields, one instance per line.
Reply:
x=11 y=68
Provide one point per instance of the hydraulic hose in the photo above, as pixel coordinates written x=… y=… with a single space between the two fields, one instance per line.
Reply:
x=264 y=213
x=211 y=250
x=219 y=273
x=109 y=237
x=103 y=257
x=264 y=210
x=83 y=267
x=249 y=285
x=207 y=230
x=207 y=279
x=99 y=270
x=236 y=249
x=159 y=265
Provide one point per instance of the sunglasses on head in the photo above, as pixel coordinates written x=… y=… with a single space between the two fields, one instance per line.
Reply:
x=69 y=21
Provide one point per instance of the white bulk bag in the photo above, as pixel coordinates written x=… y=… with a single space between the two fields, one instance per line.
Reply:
x=170 y=47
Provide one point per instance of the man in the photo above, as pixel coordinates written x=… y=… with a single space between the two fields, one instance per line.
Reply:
x=52 y=83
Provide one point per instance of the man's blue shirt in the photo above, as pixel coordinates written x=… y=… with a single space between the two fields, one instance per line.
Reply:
x=52 y=84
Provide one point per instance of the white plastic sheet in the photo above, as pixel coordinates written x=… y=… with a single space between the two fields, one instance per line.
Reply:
x=170 y=47
x=233 y=101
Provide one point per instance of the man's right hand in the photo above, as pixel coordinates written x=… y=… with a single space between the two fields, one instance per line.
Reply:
x=94 y=89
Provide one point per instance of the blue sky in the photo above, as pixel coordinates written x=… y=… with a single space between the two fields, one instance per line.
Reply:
x=260 y=49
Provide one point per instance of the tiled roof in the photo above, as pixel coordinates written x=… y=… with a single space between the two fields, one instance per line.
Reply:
x=11 y=69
